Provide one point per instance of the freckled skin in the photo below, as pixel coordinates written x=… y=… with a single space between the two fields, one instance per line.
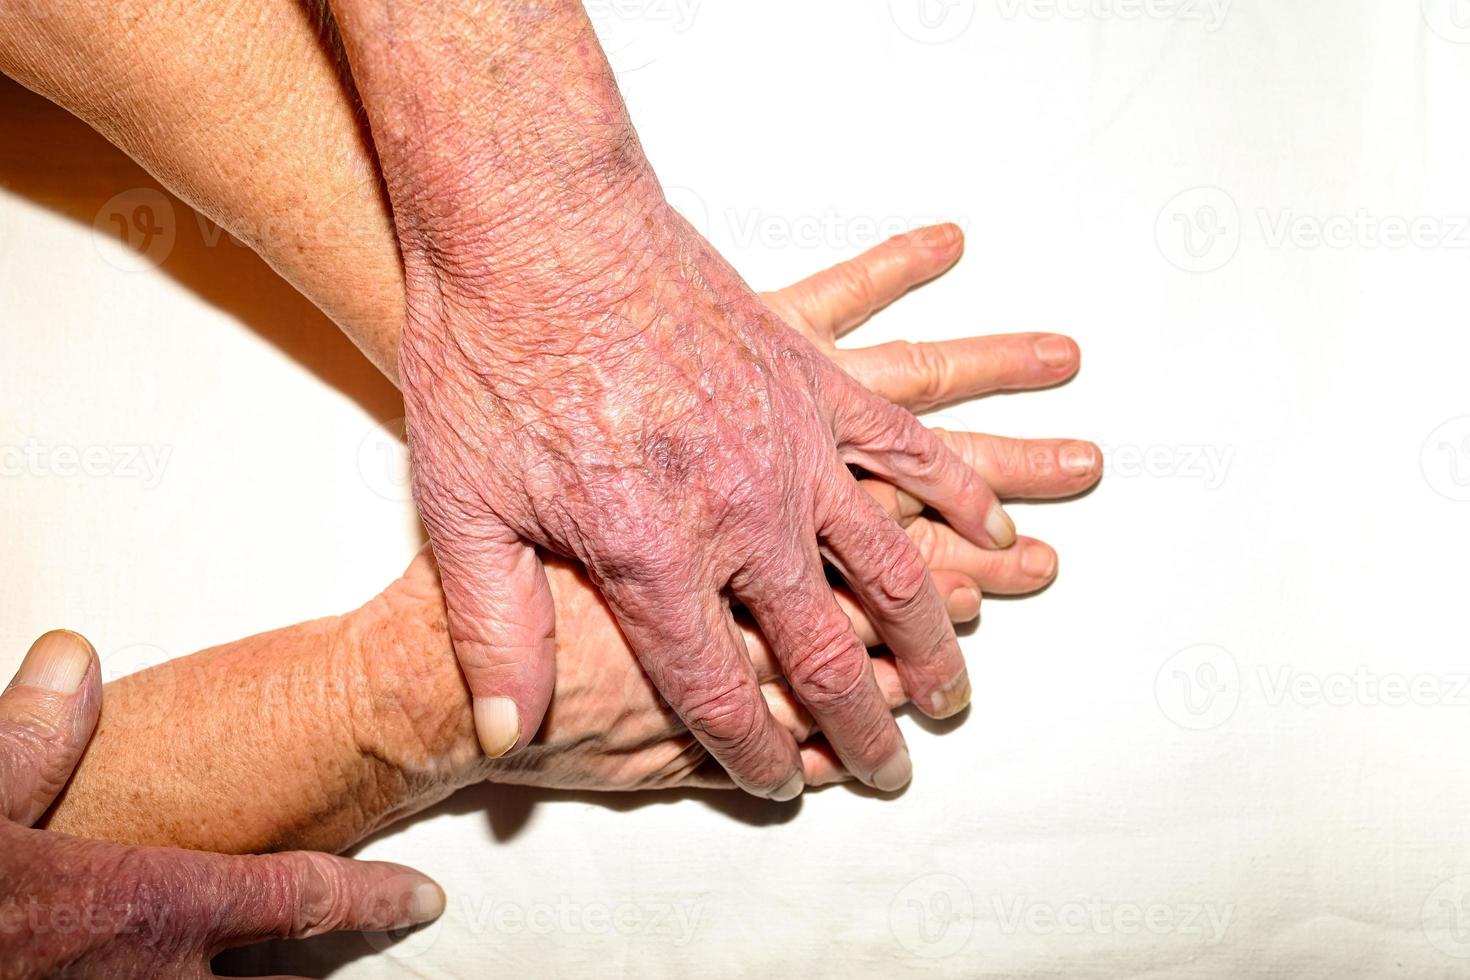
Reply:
x=584 y=373
x=72 y=907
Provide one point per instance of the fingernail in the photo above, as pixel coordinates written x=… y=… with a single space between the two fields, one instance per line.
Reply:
x=1054 y=351
x=790 y=789
x=963 y=604
x=56 y=662
x=1078 y=458
x=909 y=505
x=999 y=526
x=953 y=697
x=895 y=773
x=498 y=723
x=426 y=903
x=946 y=235
x=1039 y=561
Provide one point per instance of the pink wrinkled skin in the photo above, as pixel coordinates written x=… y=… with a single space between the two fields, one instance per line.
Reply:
x=678 y=439
x=583 y=373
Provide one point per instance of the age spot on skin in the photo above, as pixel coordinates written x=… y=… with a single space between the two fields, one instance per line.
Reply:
x=666 y=457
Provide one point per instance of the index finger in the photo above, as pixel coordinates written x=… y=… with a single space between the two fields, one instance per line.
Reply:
x=837 y=300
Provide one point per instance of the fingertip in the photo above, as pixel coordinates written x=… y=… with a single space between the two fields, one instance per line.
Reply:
x=821 y=766
x=427 y=902
x=943 y=237
x=885 y=672
x=790 y=789
x=999 y=526
x=1038 y=560
x=497 y=724
x=963 y=604
x=896 y=773
x=58 y=661
x=909 y=507
x=1081 y=460
x=950 y=699
x=1058 y=352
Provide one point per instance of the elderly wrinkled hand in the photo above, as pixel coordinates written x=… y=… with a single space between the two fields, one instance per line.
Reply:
x=584 y=373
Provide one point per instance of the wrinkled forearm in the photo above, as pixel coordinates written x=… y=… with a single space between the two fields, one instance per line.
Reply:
x=242 y=110
x=307 y=737
x=514 y=171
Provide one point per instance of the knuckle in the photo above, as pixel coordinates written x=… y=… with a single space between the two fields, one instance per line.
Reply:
x=833 y=667
x=917 y=443
x=858 y=283
x=727 y=720
x=160 y=895
x=741 y=485
x=903 y=577
x=931 y=369
x=322 y=896
x=1041 y=463
x=647 y=555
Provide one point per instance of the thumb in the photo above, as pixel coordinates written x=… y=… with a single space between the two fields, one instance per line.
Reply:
x=46 y=719
x=299 y=894
x=502 y=620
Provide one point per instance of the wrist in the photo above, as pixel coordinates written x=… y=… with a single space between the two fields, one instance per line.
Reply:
x=412 y=711
x=543 y=257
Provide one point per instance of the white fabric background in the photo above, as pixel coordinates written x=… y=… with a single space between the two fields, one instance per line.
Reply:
x=1229 y=742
